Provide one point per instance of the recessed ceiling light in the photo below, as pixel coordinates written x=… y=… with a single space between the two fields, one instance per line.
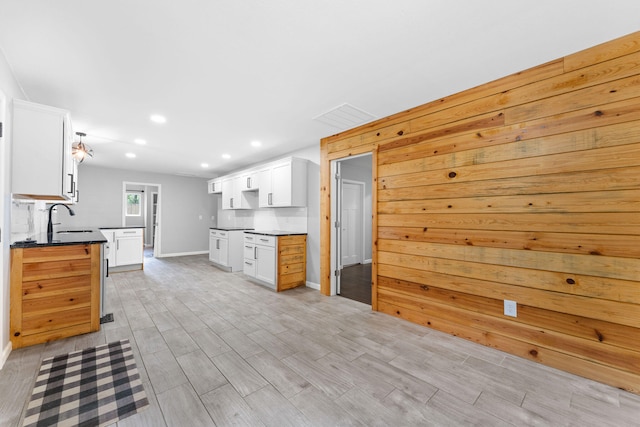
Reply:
x=157 y=118
x=226 y=156
x=256 y=144
x=204 y=165
x=140 y=141
x=130 y=155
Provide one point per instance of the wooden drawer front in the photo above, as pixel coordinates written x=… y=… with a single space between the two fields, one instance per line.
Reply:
x=291 y=268
x=49 y=287
x=55 y=253
x=266 y=240
x=291 y=250
x=55 y=269
x=56 y=304
x=292 y=240
x=292 y=259
x=45 y=322
x=129 y=232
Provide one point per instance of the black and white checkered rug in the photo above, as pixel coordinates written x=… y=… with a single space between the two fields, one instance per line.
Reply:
x=92 y=387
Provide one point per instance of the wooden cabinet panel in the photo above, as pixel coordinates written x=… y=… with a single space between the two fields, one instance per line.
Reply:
x=55 y=293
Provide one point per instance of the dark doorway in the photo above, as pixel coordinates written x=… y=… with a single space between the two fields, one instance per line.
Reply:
x=355 y=283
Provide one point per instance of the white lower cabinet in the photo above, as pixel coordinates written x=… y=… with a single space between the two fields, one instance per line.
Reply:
x=129 y=246
x=125 y=246
x=225 y=248
x=260 y=258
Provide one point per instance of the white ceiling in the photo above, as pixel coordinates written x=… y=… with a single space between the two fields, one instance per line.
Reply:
x=227 y=72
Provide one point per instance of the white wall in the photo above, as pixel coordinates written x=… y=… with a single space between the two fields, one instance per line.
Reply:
x=185 y=206
x=10 y=89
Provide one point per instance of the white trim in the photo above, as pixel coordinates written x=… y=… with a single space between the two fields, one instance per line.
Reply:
x=182 y=254
x=367 y=261
x=5 y=354
x=313 y=285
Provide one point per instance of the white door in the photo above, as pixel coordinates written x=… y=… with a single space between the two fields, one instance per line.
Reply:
x=351 y=222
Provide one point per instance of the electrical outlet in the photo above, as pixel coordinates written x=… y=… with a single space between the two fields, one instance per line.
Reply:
x=510 y=308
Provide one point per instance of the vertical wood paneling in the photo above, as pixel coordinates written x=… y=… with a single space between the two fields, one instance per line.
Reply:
x=526 y=188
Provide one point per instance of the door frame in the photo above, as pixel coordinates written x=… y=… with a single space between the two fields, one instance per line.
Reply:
x=157 y=247
x=333 y=250
x=5 y=229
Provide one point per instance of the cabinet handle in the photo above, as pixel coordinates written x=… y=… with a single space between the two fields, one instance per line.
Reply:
x=217 y=243
x=248 y=182
x=128 y=232
x=231 y=202
x=248 y=263
x=77 y=196
x=255 y=253
x=270 y=199
x=73 y=189
x=264 y=240
x=248 y=247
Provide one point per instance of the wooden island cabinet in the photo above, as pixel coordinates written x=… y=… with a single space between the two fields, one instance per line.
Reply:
x=55 y=292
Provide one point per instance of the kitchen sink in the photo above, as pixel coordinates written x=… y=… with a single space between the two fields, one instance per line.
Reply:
x=74 y=231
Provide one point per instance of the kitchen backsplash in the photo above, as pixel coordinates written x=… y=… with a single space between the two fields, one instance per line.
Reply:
x=28 y=218
x=289 y=219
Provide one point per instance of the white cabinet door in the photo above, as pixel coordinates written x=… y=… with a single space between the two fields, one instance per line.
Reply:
x=264 y=189
x=266 y=264
x=214 y=186
x=249 y=181
x=283 y=184
x=129 y=246
x=223 y=249
x=129 y=250
x=40 y=148
x=228 y=192
x=214 y=252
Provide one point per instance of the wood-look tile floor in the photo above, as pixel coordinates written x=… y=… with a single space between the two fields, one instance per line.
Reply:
x=215 y=349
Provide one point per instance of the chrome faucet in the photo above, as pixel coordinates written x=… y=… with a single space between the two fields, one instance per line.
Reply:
x=50 y=224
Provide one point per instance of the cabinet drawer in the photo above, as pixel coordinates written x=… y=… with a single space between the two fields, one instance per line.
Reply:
x=129 y=232
x=266 y=240
x=248 y=251
x=249 y=267
x=250 y=238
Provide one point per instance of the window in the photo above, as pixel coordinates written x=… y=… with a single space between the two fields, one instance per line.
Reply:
x=134 y=203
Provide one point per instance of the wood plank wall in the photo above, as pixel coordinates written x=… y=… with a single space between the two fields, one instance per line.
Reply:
x=526 y=189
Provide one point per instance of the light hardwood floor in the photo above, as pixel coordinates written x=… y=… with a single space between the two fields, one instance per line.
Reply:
x=215 y=349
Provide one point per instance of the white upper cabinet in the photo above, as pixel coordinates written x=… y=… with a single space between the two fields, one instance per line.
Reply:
x=232 y=195
x=43 y=167
x=283 y=183
x=249 y=181
x=214 y=186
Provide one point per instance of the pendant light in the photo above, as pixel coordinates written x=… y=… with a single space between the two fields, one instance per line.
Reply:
x=80 y=150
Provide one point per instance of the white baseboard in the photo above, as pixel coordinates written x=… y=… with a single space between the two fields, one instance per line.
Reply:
x=367 y=261
x=6 y=351
x=182 y=254
x=312 y=285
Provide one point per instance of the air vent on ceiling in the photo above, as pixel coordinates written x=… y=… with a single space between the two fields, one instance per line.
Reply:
x=345 y=116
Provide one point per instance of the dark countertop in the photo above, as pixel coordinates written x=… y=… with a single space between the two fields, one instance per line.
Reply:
x=276 y=232
x=62 y=239
x=230 y=228
x=121 y=227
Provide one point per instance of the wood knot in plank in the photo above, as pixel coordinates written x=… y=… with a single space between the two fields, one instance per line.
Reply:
x=452 y=174
x=571 y=281
x=599 y=335
x=534 y=353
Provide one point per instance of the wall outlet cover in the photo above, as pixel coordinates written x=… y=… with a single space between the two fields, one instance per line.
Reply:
x=510 y=308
